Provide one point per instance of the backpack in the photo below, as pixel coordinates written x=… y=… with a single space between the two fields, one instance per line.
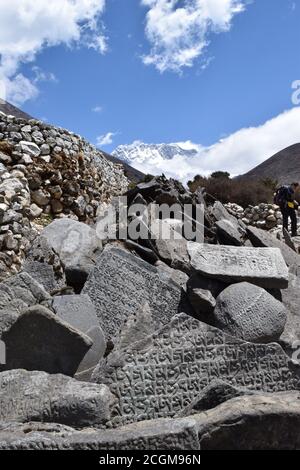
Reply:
x=281 y=196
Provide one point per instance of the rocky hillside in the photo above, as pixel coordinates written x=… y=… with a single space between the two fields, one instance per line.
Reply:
x=284 y=166
x=11 y=110
x=146 y=342
x=46 y=173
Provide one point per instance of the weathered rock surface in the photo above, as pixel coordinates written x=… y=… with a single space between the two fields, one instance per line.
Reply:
x=39 y=340
x=257 y=422
x=261 y=238
x=264 y=267
x=250 y=313
x=38 y=396
x=164 y=373
x=219 y=212
x=254 y=422
x=163 y=434
x=214 y=394
x=121 y=283
x=228 y=233
x=77 y=245
x=16 y=294
x=79 y=312
x=202 y=293
x=44 y=265
x=171 y=246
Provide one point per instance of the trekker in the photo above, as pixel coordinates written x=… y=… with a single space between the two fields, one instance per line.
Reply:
x=285 y=199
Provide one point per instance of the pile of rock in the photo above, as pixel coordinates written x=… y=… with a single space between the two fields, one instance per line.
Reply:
x=45 y=173
x=264 y=216
x=152 y=343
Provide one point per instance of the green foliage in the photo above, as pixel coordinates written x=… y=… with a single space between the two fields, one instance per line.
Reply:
x=220 y=174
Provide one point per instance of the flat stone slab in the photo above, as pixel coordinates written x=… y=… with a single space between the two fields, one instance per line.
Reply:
x=121 y=283
x=163 y=434
x=164 y=373
x=17 y=293
x=228 y=233
x=264 y=267
x=79 y=312
x=37 y=396
x=262 y=238
x=39 y=340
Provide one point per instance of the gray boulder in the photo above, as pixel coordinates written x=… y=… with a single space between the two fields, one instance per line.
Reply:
x=39 y=340
x=262 y=238
x=228 y=233
x=45 y=265
x=78 y=247
x=170 y=245
x=264 y=267
x=263 y=421
x=79 y=312
x=202 y=293
x=16 y=294
x=37 y=396
x=250 y=313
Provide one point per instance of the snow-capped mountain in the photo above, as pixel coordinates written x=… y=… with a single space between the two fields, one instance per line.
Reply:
x=140 y=153
x=170 y=159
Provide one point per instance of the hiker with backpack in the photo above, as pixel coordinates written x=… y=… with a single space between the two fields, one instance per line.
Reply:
x=285 y=199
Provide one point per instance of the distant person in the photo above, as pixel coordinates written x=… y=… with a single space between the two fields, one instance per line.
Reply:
x=285 y=199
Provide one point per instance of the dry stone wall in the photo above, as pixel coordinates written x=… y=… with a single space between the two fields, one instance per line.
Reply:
x=47 y=172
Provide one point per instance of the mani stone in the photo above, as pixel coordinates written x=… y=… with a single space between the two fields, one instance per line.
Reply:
x=77 y=245
x=164 y=373
x=121 y=283
x=39 y=340
x=79 y=312
x=37 y=396
x=250 y=313
x=264 y=267
x=214 y=394
x=262 y=238
x=162 y=434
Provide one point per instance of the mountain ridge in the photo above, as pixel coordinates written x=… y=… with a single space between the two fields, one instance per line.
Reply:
x=283 y=166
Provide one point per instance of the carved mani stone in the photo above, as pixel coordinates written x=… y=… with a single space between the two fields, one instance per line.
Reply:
x=264 y=267
x=164 y=373
x=37 y=396
x=121 y=283
x=162 y=434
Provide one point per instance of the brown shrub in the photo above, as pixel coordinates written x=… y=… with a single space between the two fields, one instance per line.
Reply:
x=242 y=192
x=6 y=147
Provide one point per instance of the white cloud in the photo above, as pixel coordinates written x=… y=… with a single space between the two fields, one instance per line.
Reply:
x=97 y=109
x=105 y=139
x=28 y=26
x=178 y=30
x=237 y=153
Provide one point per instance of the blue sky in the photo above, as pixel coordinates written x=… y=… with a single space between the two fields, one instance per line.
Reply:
x=241 y=79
